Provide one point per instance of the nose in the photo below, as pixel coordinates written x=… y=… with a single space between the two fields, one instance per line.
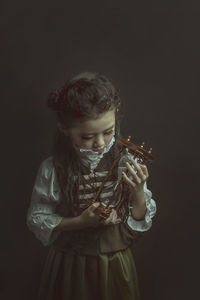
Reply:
x=99 y=142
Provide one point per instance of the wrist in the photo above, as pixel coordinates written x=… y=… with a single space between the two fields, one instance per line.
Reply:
x=82 y=222
x=138 y=197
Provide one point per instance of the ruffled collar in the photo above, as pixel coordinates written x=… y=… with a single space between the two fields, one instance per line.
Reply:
x=90 y=158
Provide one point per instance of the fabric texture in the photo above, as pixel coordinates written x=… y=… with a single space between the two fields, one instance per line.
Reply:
x=43 y=214
x=91 y=263
x=103 y=277
x=92 y=158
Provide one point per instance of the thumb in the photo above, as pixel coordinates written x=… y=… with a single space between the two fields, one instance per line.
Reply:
x=94 y=206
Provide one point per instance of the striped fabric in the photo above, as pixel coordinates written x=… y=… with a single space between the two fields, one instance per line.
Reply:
x=93 y=182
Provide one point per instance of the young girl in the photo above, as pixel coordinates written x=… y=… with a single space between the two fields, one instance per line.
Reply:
x=90 y=257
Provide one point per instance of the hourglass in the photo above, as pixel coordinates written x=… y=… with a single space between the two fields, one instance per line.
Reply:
x=131 y=151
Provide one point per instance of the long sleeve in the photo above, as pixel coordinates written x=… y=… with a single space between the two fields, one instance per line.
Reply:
x=144 y=225
x=41 y=217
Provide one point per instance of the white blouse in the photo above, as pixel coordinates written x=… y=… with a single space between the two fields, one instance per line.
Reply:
x=42 y=217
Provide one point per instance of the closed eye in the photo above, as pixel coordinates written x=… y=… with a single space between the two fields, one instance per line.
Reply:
x=106 y=133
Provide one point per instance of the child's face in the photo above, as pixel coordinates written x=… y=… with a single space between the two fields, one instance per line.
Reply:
x=93 y=133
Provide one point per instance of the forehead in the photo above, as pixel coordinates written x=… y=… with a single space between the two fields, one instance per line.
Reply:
x=94 y=126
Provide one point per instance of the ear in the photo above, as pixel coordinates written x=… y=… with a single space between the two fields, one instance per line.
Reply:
x=62 y=128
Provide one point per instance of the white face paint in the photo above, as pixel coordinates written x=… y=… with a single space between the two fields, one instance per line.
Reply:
x=87 y=136
x=93 y=134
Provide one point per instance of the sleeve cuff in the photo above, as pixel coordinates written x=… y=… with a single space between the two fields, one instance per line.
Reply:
x=45 y=228
x=146 y=223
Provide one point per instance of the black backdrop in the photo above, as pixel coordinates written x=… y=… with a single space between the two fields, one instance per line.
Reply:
x=151 y=51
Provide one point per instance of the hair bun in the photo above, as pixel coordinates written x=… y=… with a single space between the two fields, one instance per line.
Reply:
x=53 y=100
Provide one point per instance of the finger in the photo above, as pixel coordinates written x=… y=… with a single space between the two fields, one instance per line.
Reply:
x=113 y=218
x=93 y=206
x=117 y=221
x=116 y=217
x=139 y=169
x=145 y=170
x=129 y=181
x=108 y=220
x=114 y=213
x=136 y=178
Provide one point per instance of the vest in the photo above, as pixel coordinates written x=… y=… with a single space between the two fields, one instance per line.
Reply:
x=98 y=240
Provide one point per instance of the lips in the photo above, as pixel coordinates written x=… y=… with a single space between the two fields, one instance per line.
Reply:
x=99 y=151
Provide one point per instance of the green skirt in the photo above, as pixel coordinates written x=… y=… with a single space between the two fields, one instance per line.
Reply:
x=87 y=277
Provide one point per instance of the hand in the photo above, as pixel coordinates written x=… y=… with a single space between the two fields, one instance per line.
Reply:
x=112 y=219
x=139 y=176
x=88 y=216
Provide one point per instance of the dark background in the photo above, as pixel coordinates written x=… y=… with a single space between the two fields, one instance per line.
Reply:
x=151 y=51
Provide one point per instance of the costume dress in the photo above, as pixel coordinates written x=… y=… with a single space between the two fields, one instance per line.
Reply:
x=92 y=263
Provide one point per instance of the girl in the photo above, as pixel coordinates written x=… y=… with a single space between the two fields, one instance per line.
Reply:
x=89 y=258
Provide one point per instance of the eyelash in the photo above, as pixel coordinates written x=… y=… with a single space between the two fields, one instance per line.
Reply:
x=107 y=133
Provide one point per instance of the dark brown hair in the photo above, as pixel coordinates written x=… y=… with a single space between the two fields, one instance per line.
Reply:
x=85 y=96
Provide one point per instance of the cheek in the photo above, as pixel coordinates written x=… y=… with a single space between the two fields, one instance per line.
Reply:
x=90 y=143
x=84 y=143
x=107 y=139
